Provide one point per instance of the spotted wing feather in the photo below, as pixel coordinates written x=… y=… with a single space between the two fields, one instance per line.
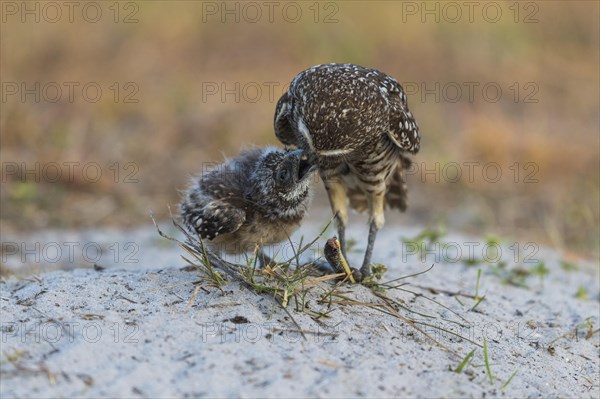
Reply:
x=211 y=218
x=214 y=204
x=403 y=130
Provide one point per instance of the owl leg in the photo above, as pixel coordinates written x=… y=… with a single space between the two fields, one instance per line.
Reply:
x=376 y=204
x=338 y=201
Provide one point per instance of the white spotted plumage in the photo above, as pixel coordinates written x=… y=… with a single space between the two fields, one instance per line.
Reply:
x=241 y=202
x=356 y=123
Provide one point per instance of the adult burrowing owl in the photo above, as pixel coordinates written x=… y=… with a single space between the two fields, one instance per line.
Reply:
x=257 y=198
x=355 y=122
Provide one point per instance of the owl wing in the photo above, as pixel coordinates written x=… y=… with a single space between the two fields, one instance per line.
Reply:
x=403 y=130
x=212 y=218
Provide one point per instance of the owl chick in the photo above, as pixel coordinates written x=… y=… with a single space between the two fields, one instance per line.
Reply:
x=356 y=123
x=258 y=198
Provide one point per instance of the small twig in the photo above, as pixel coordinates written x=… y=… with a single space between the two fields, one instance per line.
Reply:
x=434 y=301
x=223 y=305
x=191 y=300
x=404 y=277
x=310 y=244
x=62 y=326
x=276 y=329
x=388 y=299
x=127 y=299
x=449 y=332
x=387 y=309
x=220 y=263
x=451 y=293
x=479 y=300
x=414 y=325
x=293 y=321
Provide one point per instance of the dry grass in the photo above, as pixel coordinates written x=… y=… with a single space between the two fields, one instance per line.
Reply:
x=170 y=54
x=290 y=282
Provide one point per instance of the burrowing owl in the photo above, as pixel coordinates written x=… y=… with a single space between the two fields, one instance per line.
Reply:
x=355 y=122
x=257 y=198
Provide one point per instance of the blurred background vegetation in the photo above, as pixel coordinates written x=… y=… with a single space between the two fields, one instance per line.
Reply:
x=183 y=63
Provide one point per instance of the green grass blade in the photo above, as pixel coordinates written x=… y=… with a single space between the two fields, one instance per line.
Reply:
x=466 y=361
x=477 y=284
x=487 y=361
x=508 y=381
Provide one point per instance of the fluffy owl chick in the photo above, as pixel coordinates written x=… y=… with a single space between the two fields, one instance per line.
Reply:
x=356 y=123
x=259 y=197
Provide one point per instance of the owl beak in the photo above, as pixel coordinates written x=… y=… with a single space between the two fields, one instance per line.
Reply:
x=304 y=166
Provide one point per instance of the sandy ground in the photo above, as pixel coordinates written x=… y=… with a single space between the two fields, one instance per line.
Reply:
x=136 y=329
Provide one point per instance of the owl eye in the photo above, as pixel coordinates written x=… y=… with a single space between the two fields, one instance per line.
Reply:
x=283 y=175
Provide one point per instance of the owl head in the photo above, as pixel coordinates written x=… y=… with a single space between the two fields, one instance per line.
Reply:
x=282 y=177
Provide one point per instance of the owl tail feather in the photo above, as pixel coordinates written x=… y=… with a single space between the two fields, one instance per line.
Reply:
x=395 y=196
